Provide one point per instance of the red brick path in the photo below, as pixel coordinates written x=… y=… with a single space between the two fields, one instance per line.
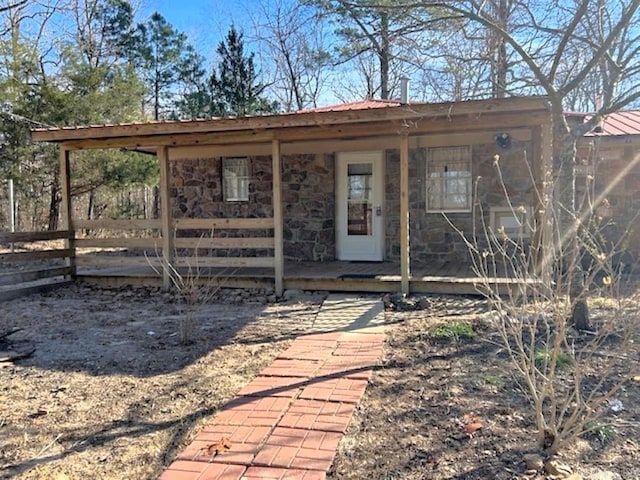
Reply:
x=287 y=423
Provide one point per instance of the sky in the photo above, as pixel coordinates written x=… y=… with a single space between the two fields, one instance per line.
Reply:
x=205 y=22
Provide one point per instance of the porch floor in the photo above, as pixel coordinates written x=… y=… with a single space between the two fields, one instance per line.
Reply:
x=336 y=276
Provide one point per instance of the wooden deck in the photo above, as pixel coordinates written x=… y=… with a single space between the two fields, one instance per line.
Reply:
x=444 y=278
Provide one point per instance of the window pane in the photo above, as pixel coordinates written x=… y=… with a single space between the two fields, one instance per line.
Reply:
x=235 y=179
x=359 y=221
x=449 y=178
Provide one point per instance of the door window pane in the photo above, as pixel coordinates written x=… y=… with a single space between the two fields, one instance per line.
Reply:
x=360 y=209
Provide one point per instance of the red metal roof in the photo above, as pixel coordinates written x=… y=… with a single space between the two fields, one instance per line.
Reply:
x=626 y=122
x=366 y=104
x=622 y=123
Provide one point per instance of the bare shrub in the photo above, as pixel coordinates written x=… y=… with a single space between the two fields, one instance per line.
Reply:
x=196 y=285
x=572 y=377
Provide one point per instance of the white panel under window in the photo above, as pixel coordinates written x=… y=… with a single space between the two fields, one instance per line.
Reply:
x=514 y=222
x=235 y=179
x=449 y=187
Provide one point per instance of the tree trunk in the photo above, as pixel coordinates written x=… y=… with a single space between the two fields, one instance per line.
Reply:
x=156 y=202
x=90 y=208
x=385 y=55
x=54 y=203
x=500 y=65
x=567 y=231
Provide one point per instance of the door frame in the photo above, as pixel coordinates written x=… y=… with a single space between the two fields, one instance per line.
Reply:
x=352 y=248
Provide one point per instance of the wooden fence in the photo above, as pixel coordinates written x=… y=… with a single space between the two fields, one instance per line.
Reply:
x=132 y=244
x=145 y=238
x=34 y=267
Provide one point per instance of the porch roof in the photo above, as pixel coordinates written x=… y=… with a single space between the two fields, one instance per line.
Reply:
x=359 y=119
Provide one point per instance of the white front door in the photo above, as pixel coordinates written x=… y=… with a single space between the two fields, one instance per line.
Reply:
x=359 y=206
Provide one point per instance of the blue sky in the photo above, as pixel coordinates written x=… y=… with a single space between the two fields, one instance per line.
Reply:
x=205 y=22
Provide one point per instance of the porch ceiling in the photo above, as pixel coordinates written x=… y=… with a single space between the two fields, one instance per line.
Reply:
x=307 y=126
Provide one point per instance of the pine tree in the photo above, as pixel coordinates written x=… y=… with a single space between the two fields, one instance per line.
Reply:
x=167 y=62
x=234 y=85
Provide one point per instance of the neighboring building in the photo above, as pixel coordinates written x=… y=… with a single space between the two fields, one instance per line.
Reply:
x=608 y=182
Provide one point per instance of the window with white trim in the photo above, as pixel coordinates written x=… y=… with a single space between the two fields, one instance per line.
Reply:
x=235 y=179
x=449 y=179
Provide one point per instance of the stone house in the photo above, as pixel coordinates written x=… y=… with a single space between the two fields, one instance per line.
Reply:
x=370 y=181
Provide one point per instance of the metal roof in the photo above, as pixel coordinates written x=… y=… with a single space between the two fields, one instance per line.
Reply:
x=365 y=104
x=622 y=123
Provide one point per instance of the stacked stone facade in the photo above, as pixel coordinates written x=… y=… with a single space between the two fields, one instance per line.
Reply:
x=308 y=195
x=433 y=239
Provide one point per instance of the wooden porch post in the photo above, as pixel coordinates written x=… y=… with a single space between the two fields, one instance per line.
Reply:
x=277 y=217
x=66 y=217
x=404 y=214
x=165 y=209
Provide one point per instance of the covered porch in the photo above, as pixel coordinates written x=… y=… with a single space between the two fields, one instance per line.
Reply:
x=339 y=276
x=255 y=253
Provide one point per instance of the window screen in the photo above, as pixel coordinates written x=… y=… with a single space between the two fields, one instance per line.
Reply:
x=449 y=179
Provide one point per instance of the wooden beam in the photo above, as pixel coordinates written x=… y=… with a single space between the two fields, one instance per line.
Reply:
x=66 y=210
x=165 y=208
x=320 y=146
x=26 y=237
x=37 y=255
x=225 y=243
x=40 y=288
x=223 y=223
x=405 y=267
x=178 y=262
x=278 y=228
x=112 y=224
x=120 y=261
x=372 y=130
x=228 y=262
x=33 y=275
x=119 y=243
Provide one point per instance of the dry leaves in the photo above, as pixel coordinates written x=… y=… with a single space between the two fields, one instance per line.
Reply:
x=221 y=446
x=472 y=423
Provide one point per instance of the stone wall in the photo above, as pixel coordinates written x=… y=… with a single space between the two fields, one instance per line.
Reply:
x=307 y=194
x=309 y=207
x=308 y=185
x=433 y=239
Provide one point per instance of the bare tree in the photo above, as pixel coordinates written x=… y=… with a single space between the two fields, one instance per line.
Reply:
x=295 y=46
x=562 y=45
x=387 y=30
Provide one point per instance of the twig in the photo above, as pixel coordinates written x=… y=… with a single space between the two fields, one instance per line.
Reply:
x=49 y=445
x=10 y=332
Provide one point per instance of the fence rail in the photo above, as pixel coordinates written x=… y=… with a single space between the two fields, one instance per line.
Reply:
x=196 y=242
x=27 y=251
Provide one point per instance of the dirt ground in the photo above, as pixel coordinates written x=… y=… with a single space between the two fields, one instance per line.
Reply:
x=411 y=423
x=110 y=393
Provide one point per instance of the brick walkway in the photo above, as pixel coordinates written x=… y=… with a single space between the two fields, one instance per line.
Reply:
x=287 y=423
